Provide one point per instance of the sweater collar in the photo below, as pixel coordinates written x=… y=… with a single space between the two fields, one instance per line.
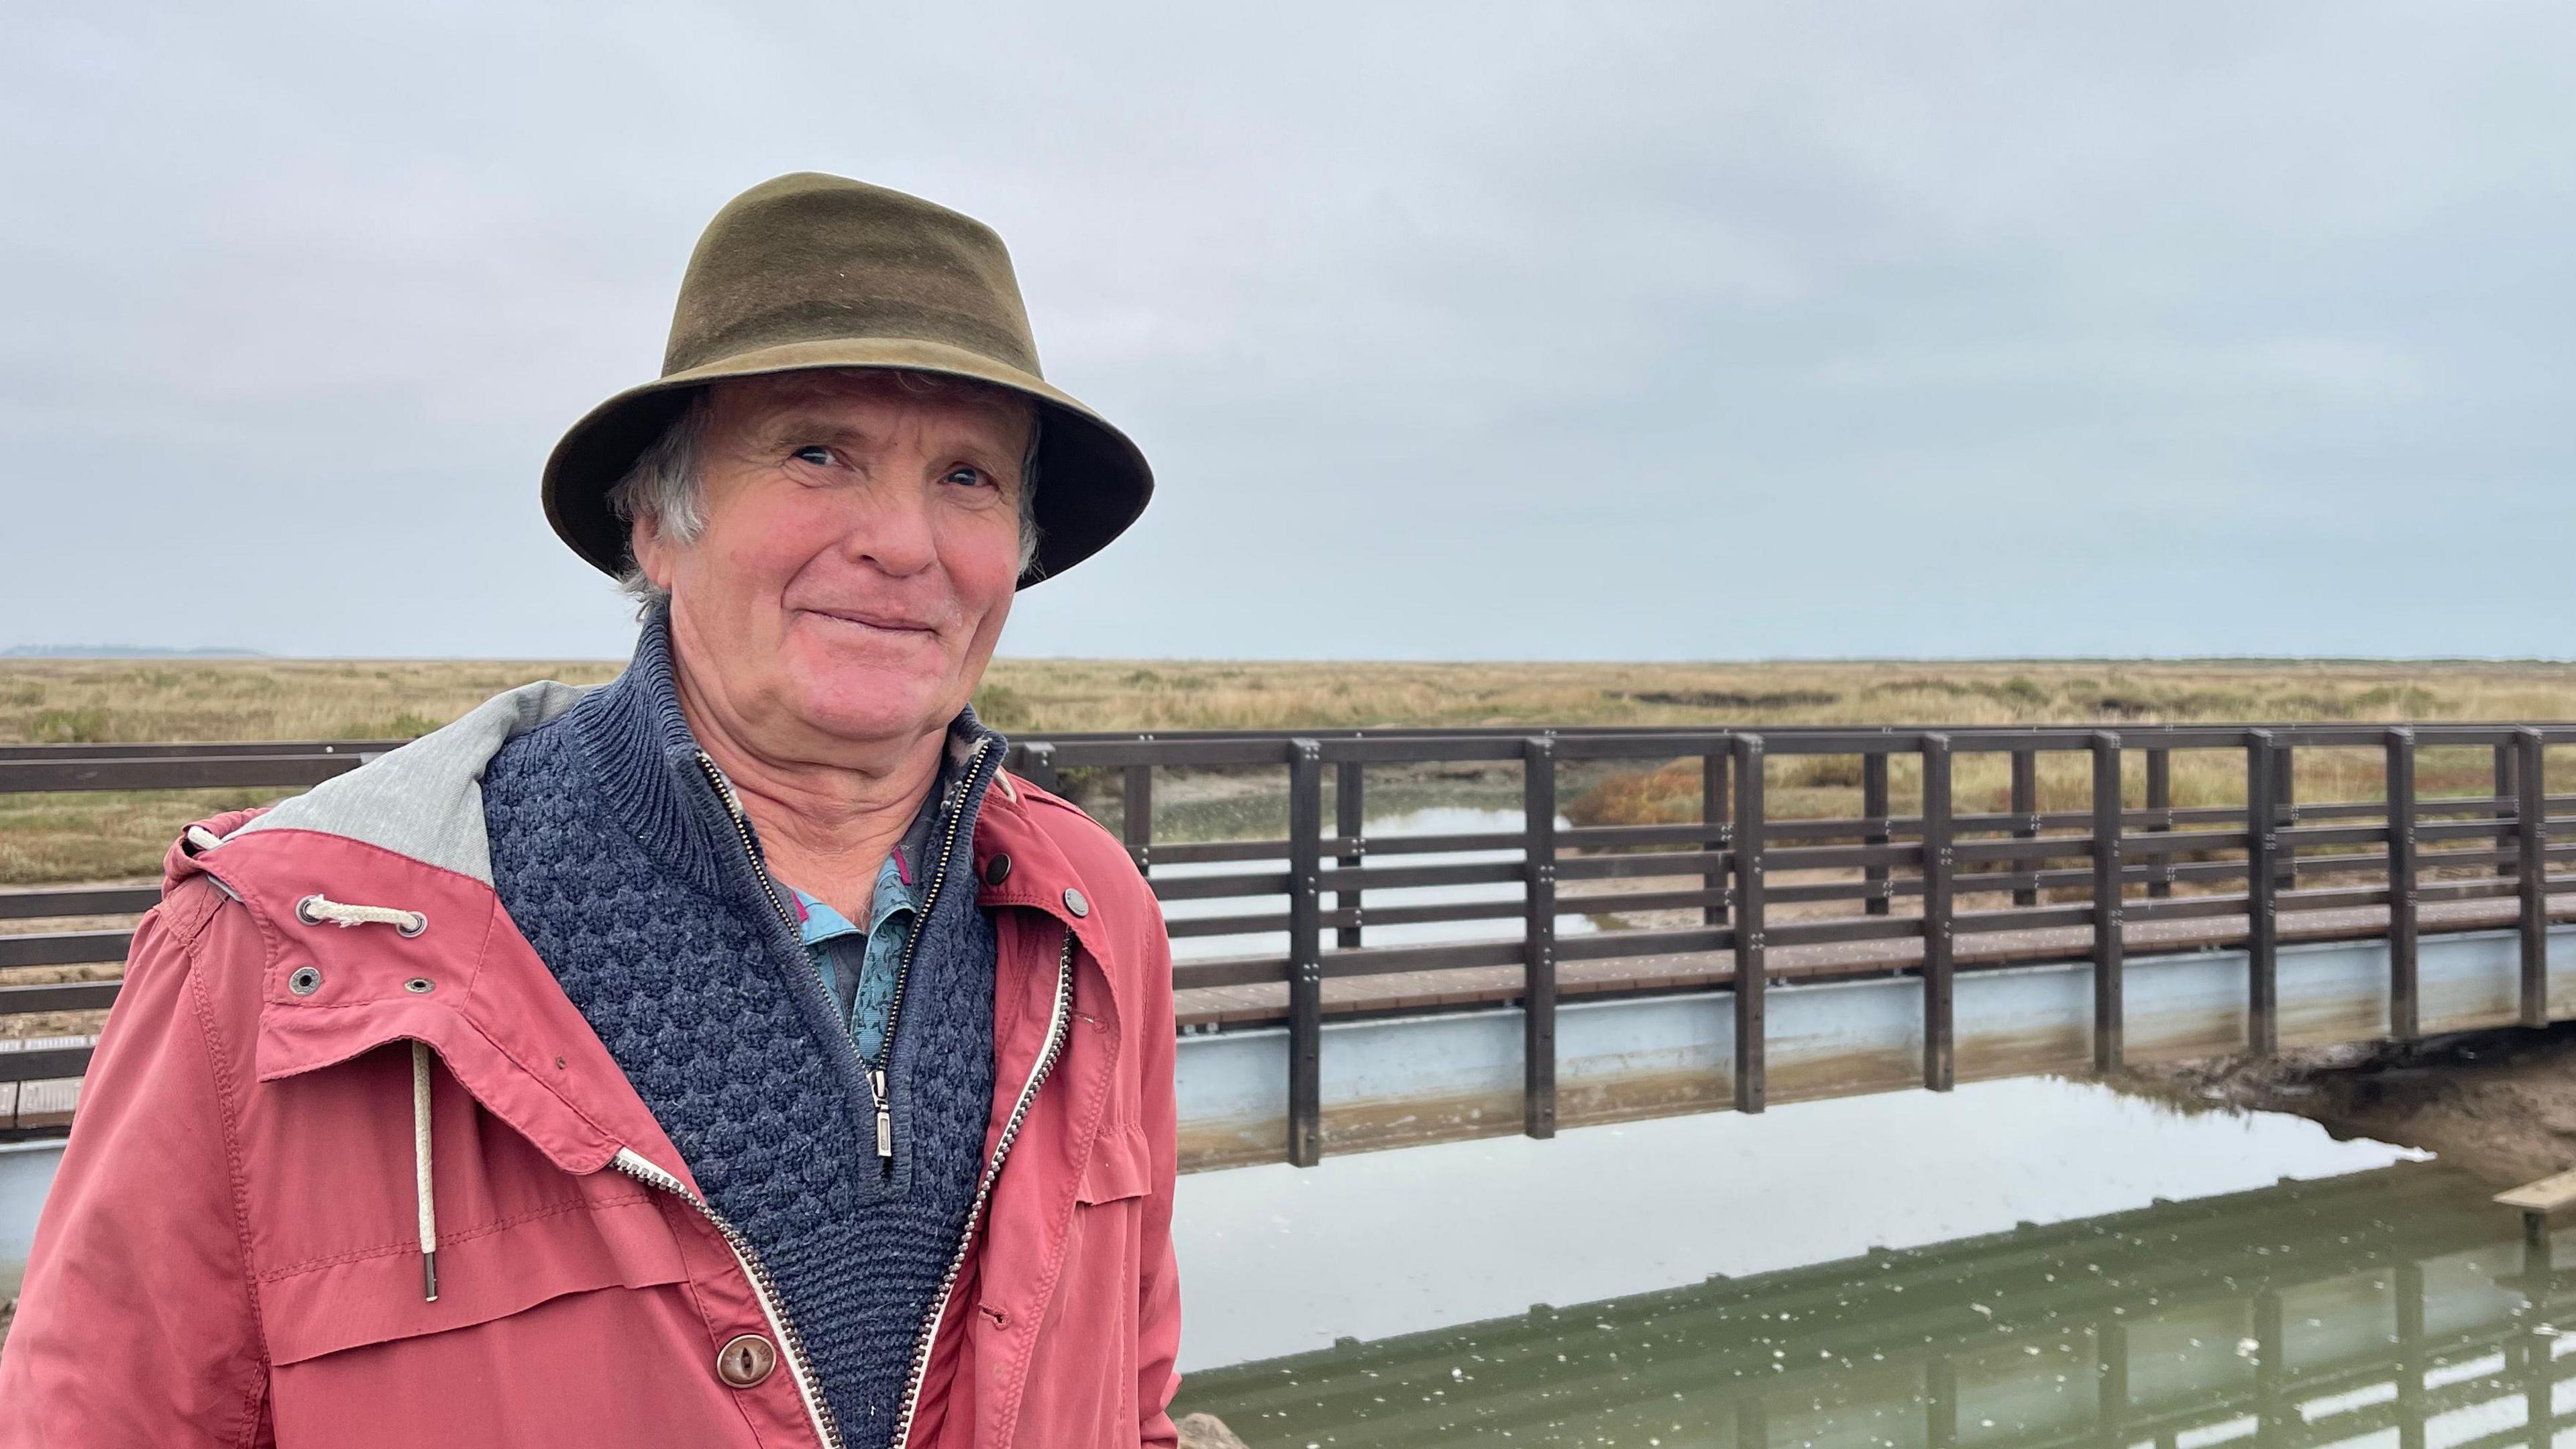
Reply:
x=653 y=779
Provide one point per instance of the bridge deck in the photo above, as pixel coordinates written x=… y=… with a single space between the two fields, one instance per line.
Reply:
x=1267 y=1003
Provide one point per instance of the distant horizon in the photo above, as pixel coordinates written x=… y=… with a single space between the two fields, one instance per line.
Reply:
x=129 y=651
x=114 y=652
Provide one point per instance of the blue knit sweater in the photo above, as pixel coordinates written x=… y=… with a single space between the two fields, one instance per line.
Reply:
x=618 y=860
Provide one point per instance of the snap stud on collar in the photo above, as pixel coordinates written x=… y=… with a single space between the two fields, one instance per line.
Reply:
x=305 y=981
x=997 y=870
x=1074 y=902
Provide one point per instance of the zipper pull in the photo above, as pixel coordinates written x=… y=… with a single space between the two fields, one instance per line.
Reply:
x=885 y=1122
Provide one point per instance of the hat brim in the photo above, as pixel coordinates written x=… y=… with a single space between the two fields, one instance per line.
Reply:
x=1092 y=481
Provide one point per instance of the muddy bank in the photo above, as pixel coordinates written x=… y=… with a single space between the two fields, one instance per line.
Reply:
x=2500 y=1104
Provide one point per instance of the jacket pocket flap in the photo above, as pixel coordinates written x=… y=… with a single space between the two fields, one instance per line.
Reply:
x=1119 y=1167
x=484 y=1274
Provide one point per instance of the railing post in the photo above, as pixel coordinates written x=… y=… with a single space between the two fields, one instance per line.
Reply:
x=1874 y=828
x=2025 y=803
x=1037 y=766
x=1713 y=811
x=2109 y=1042
x=2285 y=813
x=1939 y=1044
x=1749 y=817
x=1305 y=953
x=1136 y=802
x=2531 y=864
x=2504 y=789
x=2262 y=904
x=2403 y=1019
x=2160 y=819
x=1538 y=951
x=1350 y=821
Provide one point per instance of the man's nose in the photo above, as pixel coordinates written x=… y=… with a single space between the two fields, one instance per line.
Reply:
x=896 y=530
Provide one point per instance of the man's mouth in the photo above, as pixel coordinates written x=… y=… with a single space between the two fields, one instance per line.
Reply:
x=887 y=623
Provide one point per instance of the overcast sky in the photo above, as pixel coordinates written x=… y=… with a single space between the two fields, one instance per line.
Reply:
x=1475 y=331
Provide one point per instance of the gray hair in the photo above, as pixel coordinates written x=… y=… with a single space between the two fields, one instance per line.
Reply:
x=666 y=484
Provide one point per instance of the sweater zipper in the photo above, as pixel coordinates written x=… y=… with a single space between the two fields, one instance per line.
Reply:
x=742 y=832
x=800 y=1366
x=1059 y=1020
x=903 y=965
x=875 y=1070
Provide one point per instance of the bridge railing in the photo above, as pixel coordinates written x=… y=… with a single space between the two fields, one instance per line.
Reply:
x=1897 y=893
x=1741 y=896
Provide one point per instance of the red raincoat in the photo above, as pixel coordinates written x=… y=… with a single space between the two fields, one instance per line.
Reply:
x=232 y=1251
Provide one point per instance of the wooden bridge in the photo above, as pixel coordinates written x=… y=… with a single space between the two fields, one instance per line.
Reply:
x=1830 y=921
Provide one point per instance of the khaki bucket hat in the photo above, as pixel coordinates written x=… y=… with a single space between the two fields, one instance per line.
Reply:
x=812 y=271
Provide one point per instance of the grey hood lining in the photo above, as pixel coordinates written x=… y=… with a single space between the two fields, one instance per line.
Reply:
x=425 y=800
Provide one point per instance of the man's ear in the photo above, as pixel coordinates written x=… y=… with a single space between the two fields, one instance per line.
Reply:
x=652 y=551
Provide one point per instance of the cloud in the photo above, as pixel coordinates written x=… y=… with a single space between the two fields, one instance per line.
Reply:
x=1490 y=331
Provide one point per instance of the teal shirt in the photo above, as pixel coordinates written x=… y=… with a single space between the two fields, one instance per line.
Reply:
x=859 y=967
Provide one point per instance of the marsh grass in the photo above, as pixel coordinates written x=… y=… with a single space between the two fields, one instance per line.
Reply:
x=48 y=838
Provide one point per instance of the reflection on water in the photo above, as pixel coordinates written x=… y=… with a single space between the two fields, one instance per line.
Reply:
x=1278 y=1260
x=2392 y=1307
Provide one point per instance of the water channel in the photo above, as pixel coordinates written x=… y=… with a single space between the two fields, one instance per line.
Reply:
x=2014 y=1264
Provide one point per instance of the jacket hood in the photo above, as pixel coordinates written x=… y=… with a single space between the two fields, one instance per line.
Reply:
x=424 y=801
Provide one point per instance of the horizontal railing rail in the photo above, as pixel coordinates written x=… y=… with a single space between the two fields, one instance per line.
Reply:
x=1894 y=885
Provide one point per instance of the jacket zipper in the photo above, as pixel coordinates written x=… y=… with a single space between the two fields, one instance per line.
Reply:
x=1058 y=1022
x=800 y=1367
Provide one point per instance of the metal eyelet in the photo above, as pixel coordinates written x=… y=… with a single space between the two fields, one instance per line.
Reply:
x=305 y=981
x=420 y=986
x=419 y=922
x=304 y=911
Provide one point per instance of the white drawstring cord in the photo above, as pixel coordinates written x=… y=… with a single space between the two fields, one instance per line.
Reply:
x=421 y=1186
x=315 y=910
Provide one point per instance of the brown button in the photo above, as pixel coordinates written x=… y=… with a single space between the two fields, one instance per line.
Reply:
x=746 y=1360
x=997 y=870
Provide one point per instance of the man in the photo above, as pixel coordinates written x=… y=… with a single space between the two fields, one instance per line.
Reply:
x=732 y=1054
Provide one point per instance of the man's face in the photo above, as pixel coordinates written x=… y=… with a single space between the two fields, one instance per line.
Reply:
x=862 y=543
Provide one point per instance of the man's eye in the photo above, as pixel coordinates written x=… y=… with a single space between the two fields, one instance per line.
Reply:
x=971 y=477
x=818 y=455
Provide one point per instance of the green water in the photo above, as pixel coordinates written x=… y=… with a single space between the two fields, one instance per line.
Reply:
x=2394 y=1307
